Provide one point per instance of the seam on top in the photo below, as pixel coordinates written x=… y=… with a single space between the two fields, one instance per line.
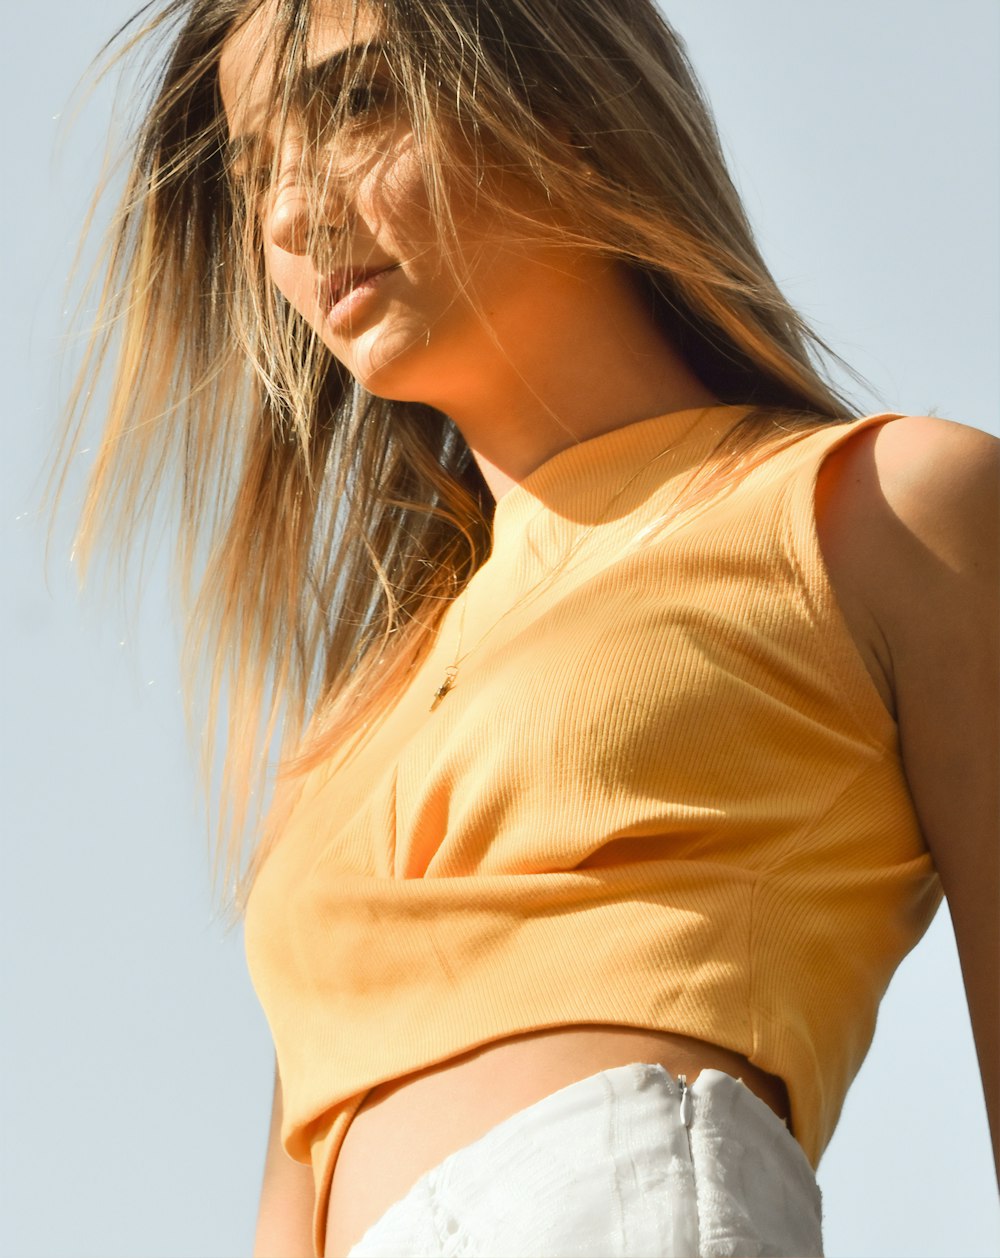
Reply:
x=752 y=972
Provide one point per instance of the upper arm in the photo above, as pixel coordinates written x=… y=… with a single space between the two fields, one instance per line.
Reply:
x=284 y=1218
x=925 y=496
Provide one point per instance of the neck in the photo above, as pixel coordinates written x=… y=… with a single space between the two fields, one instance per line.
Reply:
x=589 y=361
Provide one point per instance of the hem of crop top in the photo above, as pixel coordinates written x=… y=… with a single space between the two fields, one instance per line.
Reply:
x=328 y=1147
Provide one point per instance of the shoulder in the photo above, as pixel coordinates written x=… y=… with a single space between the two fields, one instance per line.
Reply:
x=908 y=520
x=908 y=515
x=938 y=475
x=913 y=500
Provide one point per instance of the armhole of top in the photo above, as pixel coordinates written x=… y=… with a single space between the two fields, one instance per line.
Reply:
x=871 y=714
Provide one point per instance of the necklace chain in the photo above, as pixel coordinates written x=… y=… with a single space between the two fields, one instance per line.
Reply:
x=451 y=671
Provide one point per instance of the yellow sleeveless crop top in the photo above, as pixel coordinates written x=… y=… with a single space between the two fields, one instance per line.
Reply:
x=663 y=793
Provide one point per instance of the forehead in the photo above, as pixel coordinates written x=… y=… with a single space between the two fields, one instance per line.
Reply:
x=247 y=59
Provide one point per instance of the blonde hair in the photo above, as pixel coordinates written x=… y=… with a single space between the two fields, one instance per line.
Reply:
x=322 y=531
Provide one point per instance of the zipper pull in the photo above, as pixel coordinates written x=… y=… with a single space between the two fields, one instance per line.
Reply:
x=685 y=1101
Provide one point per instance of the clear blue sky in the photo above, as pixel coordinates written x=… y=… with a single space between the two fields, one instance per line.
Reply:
x=137 y=1080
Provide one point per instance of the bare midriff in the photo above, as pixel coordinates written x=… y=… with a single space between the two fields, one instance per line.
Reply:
x=408 y=1125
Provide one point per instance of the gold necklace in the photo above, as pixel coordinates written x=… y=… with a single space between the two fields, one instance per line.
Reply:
x=451 y=671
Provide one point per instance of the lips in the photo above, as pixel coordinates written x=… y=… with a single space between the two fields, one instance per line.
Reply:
x=334 y=288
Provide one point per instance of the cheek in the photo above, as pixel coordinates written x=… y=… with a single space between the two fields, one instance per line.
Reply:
x=294 y=279
x=393 y=203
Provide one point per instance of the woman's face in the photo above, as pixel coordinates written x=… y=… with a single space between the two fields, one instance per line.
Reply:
x=363 y=262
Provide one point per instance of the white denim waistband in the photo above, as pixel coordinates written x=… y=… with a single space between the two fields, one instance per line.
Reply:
x=627 y=1163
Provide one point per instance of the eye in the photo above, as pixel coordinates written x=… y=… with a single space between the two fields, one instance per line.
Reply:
x=361 y=99
x=357 y=107
x=366 y=99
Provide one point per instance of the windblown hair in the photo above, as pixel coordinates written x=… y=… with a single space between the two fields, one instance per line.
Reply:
x=321 y=530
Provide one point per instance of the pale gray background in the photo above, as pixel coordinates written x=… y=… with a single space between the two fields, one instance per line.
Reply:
x=136 y=1062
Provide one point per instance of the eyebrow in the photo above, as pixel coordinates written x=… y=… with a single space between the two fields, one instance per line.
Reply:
x=314 y=76
x=307 y=83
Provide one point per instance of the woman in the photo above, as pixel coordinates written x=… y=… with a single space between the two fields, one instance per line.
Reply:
x=625 y=784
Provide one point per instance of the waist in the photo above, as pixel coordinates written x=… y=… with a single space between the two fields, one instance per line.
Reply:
x=406 y=1126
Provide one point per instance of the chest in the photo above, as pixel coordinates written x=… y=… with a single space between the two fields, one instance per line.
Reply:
x=657 y=694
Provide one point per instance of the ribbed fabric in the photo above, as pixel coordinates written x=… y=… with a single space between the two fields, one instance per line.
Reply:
x=664 y=793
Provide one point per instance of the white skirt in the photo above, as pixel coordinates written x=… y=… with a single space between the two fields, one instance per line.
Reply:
x=627 y=1163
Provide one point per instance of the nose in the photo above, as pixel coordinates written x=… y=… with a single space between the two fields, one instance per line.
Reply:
x=289 y=218
x=302 y=216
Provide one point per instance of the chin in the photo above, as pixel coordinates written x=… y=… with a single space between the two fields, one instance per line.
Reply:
x=395 y=370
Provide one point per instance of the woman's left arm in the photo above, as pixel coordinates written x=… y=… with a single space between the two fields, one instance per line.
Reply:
x=923 y=497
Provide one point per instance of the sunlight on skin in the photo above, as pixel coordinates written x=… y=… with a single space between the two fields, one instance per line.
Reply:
x=531 y=348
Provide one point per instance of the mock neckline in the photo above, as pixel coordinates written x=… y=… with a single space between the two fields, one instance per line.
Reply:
x=576 y=483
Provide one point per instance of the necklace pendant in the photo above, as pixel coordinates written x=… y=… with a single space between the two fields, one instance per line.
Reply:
x=446 y=686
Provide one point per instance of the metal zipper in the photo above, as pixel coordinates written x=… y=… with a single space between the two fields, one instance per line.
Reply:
x=685 y=1101
x=685 y=1109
